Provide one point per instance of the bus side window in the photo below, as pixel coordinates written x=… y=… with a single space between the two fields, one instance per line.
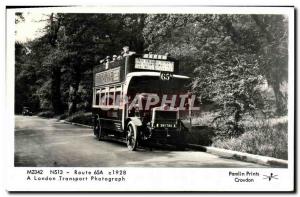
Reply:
x=106 y=96
x=103 y=97
x=111 y=96
x=97 y=100
x=117 y=98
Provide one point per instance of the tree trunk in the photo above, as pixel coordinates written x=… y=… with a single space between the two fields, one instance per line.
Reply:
x=56 y=73
x=238 y=130
x=73 y=94
x=55 y=91
x=279 y=100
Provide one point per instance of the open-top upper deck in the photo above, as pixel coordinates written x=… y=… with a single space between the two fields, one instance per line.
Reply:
x=115 y=71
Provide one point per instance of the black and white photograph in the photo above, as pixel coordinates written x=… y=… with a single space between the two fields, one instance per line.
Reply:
x=114 y=95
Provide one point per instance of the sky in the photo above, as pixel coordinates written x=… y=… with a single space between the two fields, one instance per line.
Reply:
x=32 y=27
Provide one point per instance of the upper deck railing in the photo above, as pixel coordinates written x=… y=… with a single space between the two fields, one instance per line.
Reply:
x=115 y=70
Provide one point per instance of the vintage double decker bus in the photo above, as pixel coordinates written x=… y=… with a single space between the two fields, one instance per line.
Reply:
x=140 y=98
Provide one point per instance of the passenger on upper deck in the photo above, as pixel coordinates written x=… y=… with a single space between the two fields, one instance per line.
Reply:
x=107 y=60
x=115 y=58
x=126 y=51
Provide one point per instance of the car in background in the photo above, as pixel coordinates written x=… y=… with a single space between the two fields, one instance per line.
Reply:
x=26 y=111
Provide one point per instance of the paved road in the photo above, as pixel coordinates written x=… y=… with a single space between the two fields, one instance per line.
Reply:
x=48 y=142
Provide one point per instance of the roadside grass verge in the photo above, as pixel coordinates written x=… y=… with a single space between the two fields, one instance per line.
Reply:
x=78 y=117
x=205 y=118
x=46 y=114
x=266 y=138
x=81 y=118
x=201 y=135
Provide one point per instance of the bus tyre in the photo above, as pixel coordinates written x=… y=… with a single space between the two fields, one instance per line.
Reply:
x=132 y=136
x=98 y=130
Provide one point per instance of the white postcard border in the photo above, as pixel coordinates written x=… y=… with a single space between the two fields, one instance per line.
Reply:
x=152 y=179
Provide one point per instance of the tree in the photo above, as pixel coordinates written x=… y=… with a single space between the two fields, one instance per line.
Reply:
x=53 y=62
x=223 y=51
x=26 y=77
x=19 y=17
x=273 y=55
x=227 y=56
x=86 y=38
x=64 y=57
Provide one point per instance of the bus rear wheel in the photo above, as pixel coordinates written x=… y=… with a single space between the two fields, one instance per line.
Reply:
x=132 y=138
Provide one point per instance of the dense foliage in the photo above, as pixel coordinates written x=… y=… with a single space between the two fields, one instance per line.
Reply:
x=57 y=68
x=229 y=57
x=232 y=56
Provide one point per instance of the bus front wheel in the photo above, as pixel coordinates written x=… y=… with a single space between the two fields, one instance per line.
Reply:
x=132 y=138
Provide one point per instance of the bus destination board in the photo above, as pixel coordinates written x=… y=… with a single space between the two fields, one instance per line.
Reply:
x=155 y=65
